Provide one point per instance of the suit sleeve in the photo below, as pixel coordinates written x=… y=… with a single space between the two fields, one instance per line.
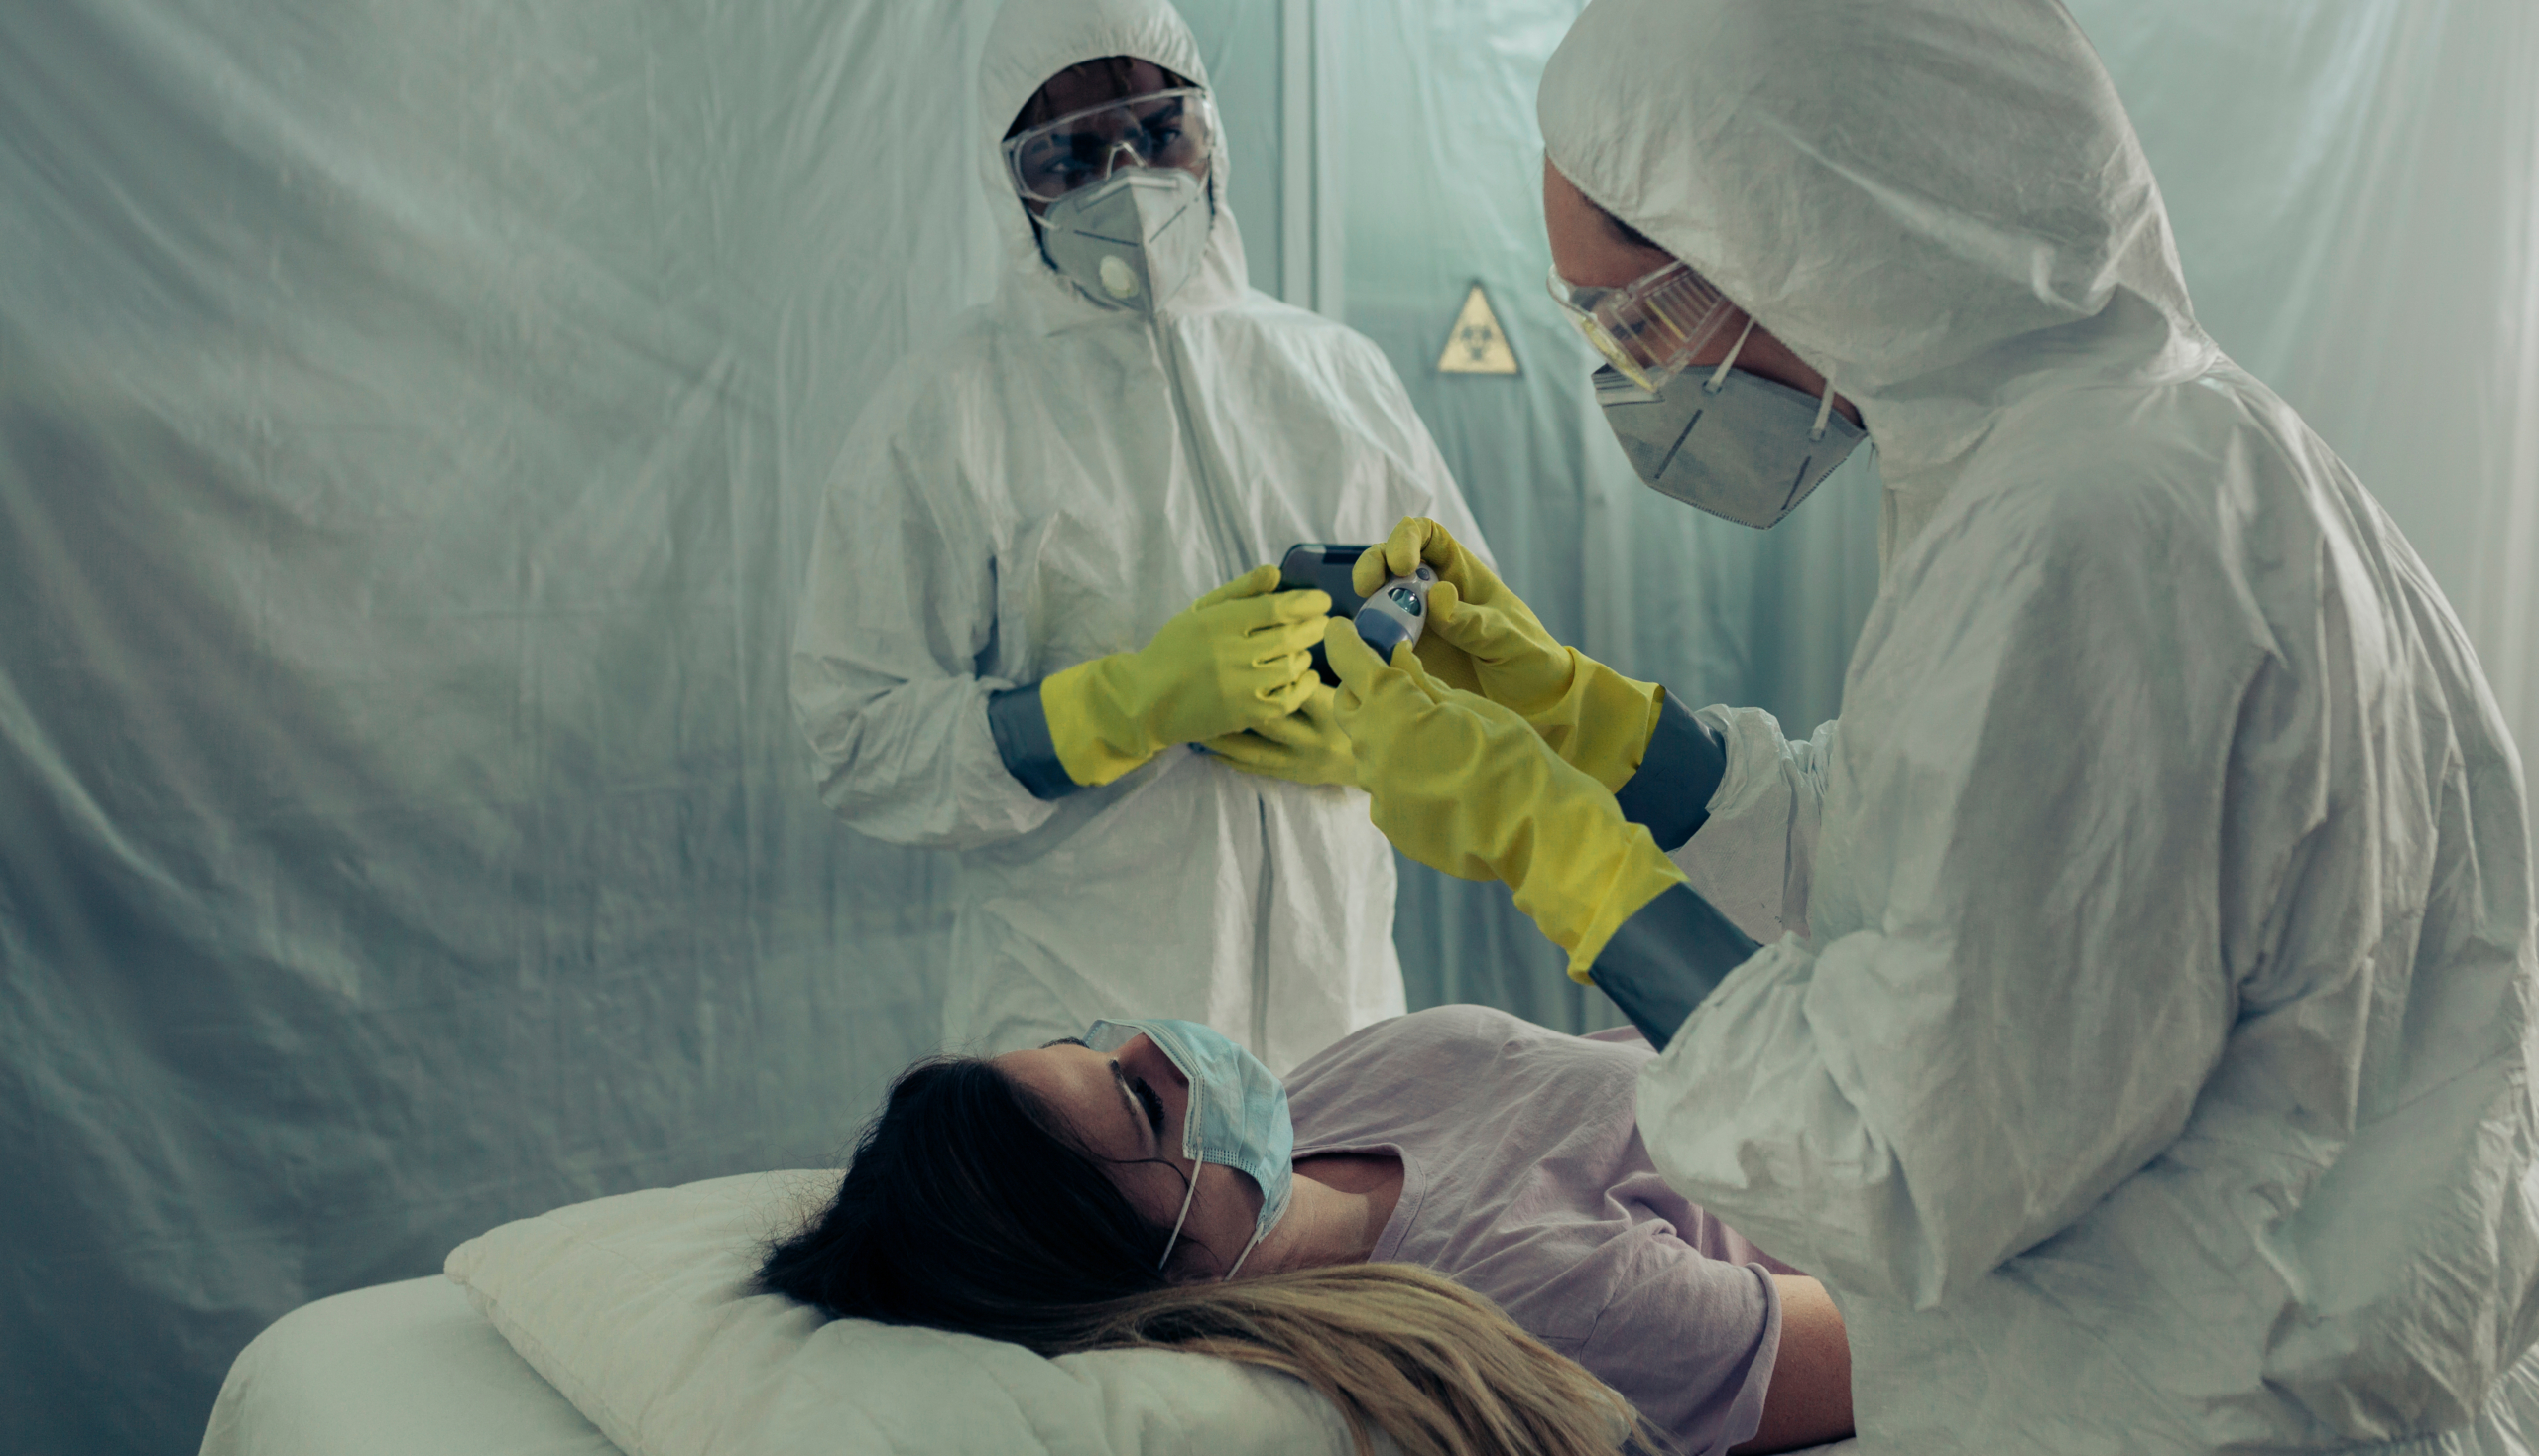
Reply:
x=1753 y=855
x=2021 y=828
x=899 y=605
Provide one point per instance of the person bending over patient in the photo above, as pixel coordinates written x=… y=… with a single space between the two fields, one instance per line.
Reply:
x=1152 y=1185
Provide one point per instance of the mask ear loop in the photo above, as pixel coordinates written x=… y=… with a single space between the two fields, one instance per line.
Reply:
x=1240 y=1258
x=1175 y=1235
x=1191 y=1185
x=1719 y=376
x=1824 y=413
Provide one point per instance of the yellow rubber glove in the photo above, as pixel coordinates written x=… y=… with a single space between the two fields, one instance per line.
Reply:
x=1235 y=659
x=1465 y=786
x=1593 y=717
x=1309 y=746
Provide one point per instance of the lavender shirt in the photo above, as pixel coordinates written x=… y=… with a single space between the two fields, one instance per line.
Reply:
x=1524 y=1179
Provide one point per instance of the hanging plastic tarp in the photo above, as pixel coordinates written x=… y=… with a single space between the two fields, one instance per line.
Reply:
x=412 y=420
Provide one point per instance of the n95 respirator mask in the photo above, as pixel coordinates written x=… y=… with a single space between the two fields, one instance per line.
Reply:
x=1132 y=240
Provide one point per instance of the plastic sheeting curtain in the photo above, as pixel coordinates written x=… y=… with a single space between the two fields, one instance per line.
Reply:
x=411 y=418
x=2355 y=195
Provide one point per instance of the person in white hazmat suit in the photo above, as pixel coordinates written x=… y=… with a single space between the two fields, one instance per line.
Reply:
x=1038 y=576
x=2136 y=1033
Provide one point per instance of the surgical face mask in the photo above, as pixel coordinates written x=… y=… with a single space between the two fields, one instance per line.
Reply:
x=1132 y=240
x=1237 y=1115
x=1735 y=444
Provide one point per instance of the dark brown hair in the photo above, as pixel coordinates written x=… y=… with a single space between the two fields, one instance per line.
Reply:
x=931 y=1226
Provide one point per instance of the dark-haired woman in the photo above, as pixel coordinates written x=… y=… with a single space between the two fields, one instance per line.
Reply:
x=1046 y=1197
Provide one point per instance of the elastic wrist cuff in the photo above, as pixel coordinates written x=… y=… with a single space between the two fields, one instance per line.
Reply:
x=1095 y=742
x=1678 y=774
x=1021 y=727
x=1602 y=726
x=1640 y=876
x=1667 y=959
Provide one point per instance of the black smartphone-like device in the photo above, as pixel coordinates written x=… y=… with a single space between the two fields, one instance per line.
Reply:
x=1313 y=565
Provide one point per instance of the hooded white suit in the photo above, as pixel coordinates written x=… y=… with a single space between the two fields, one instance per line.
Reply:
x=2149 y=1068
x=1050 y=484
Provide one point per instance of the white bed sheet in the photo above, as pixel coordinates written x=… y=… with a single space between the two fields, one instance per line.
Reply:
x=409 y=1368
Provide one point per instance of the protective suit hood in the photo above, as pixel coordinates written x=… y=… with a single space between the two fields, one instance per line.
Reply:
x=1940 y=204
x=1032 y=40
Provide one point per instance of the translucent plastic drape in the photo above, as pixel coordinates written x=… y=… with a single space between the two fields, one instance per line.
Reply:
x=2356 y=193
x=411 y=419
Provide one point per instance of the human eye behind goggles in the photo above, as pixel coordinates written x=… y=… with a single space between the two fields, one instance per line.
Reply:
x=1164 y=129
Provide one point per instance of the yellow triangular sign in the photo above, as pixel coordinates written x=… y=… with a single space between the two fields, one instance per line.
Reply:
x=1477 y=345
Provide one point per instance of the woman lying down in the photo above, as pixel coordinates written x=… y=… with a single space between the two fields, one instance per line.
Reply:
x=1154 y=1185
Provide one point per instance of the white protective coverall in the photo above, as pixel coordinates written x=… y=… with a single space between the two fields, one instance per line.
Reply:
x=2149 y=1064
x=1051 y=483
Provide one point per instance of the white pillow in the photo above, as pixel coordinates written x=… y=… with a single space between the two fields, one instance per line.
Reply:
x=639 y=1309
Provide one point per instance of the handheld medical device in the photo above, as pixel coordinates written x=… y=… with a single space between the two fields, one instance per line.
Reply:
x=1395 y=614
x=1310 y=566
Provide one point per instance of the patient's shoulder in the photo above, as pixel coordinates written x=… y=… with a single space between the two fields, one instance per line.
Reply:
x=1463 y=1022
x=1447 y=1043
x=1442 y=1025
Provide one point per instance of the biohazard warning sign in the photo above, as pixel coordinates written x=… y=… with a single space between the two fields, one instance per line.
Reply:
x=1477 y=345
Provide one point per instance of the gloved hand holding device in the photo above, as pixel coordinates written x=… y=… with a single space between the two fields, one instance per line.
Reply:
x=1483 y=637
x=1465 y=784
x=1394 y=612
x=1309 y=746
x=1235 y=659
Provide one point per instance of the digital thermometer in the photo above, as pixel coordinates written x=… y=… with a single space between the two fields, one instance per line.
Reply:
x=1396 y=612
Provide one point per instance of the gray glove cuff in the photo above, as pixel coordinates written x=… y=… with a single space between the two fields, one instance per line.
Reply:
x=1021 y=727
x=1678 y=773
x=1667 y=959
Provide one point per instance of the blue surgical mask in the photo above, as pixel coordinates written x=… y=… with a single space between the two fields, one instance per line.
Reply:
x=1237 y=1115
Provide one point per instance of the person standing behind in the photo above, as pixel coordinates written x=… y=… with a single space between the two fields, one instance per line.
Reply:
x=1038 y=576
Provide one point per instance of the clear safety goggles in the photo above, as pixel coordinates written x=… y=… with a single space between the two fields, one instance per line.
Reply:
x=1159 y=129
x=1650 y=328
